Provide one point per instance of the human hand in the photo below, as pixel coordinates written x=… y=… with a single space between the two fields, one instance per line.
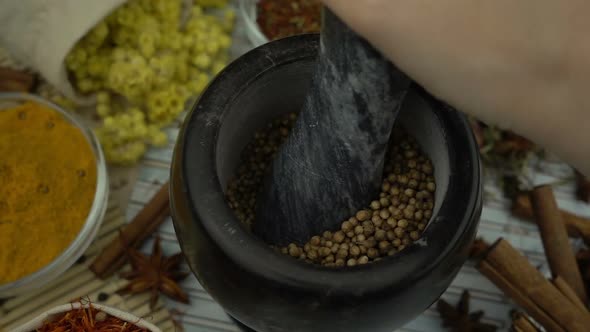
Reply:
x=523 y=65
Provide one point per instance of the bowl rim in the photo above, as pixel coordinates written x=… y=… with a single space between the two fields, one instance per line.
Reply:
x=95 y=216
x=209 y=207
x=248 y=11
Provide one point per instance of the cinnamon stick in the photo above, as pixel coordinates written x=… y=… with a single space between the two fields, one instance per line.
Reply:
x=576 y=226
x=113 y=257
x=568 y=292
x=558 y=249
x=12 y=80
x=519 y=297
x=513 y=273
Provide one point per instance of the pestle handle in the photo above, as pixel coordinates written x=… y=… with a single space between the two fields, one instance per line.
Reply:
x=332 y=163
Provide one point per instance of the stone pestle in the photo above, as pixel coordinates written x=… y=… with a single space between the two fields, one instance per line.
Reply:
x=332 y=162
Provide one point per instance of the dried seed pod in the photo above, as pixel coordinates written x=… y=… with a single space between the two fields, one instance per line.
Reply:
x=338 y=237
x=350 y=234
x=346 y=226
x=312 y=255
x=372 y=253
x=339 y=262
x=358 y=229
x=384 y=214
x=327 y=235
x=368 y=230
x=369 y=243
x=353 y=221
x=375 y=205
x=396 y=242
x=421 y=226
x=384 y=246
x=335 y=248
x=329 y=244
x=329 y=259
x=375 y=218
x=385 y=187
x=431 y=186
x=315 y=241
x=362 y=215
x=384 y=202
x=324 y=251
x=399 y=232
x=359 y=238
x=390 y=235
x=294 y=251
x=351 y=262
x=391 y=222
x=354 y=251
x=378 y=222
x=418 y=215
x=380 y=235
x=363 y=260
x=342 y=253
x=403 y=223
x=414 y=235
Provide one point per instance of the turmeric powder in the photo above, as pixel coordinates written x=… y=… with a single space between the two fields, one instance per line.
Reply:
x=47 y=184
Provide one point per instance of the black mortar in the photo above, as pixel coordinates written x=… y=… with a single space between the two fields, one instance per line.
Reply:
x=268 y=291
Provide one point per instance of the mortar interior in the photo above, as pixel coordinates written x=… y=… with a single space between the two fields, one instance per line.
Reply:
x=282 y=90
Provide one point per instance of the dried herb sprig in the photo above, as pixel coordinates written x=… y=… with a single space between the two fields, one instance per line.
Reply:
x=459 y=319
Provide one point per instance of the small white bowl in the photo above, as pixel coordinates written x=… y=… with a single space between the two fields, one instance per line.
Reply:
x=95 y=217
x=48 y=315
x=249 y=12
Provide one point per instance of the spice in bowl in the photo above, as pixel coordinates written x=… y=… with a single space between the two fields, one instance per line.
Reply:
x=283 y=18
x=48 y=179
x=391 y=222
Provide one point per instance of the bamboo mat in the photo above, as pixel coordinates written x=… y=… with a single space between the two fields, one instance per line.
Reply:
x=79 y=282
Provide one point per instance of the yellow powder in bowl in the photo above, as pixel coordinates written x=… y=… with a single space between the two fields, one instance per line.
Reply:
x=47 y=187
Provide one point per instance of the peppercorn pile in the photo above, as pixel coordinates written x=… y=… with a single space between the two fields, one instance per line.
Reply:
x=390 y=223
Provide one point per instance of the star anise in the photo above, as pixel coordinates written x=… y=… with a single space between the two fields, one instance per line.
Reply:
x=155 y=273
x=459 y=319
x=582 y=187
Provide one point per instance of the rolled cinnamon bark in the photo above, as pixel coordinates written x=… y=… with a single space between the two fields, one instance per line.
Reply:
x=513 y=273
x=558 y=249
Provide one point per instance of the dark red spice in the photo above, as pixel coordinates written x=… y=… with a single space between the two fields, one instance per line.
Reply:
x=88 y=320
x=283 y=18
